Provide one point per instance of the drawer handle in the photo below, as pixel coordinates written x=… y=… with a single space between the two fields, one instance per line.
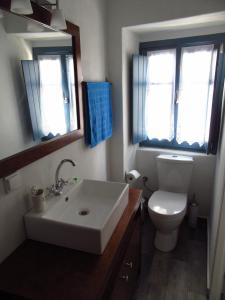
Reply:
x=125 y=278
x=129 y=264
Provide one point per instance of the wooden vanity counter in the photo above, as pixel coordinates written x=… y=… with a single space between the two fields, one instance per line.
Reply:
x=41 y=271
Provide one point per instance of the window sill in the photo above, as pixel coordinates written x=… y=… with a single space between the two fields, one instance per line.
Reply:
x=173 y=151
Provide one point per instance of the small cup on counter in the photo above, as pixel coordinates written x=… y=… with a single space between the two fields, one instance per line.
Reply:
x=38 y=199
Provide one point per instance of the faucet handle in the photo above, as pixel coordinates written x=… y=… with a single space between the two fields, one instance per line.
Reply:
x=61 y=183
x=64 y=182
x=50 y=190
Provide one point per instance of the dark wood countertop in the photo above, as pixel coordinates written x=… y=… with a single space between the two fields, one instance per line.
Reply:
x=41 y=271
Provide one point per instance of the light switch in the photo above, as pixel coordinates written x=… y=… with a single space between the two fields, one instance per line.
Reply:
x=12 y=182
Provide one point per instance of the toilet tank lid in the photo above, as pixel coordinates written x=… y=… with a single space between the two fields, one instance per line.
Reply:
x=175 y=158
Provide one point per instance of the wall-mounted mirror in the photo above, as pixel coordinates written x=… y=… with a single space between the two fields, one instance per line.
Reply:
x=40 y=98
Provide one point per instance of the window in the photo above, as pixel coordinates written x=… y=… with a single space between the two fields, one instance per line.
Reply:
x=160 y=94
x=51 y=95
x=182 y=92
x=57 y=90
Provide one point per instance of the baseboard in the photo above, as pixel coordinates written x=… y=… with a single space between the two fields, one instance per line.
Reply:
x=208 y=273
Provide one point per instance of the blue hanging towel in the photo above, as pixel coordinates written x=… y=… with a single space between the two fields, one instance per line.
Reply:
x=98 y=112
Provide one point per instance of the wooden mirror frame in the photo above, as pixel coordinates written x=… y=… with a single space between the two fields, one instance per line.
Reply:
x=17 y=161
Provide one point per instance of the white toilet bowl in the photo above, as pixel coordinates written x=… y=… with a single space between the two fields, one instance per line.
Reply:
x=167 y=211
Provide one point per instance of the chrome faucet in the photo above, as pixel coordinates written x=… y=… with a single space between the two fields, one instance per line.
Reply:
x=59 y=182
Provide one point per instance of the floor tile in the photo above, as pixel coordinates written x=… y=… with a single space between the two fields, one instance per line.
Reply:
x=197 y=281
x=159 y=272
x=156 y=292
x=148 y=235
x=142 y=292
x=194 y=296
x=200 y=233
x=197 y=267
x=175 y=294
x=178 y=275
x=146 y=264
x=181 y=250
x=197 y=252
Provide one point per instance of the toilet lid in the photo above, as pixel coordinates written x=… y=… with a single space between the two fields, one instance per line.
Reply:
x=167 y=203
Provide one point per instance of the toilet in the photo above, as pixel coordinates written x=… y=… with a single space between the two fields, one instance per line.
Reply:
x=167 y=206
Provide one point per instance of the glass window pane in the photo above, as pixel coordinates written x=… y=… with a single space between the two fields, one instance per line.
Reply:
x=159 y=111
x=51 y=95
x=195 y=94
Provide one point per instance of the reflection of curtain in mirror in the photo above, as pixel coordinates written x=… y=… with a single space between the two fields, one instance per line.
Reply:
x=72 y=95
x=51 y=95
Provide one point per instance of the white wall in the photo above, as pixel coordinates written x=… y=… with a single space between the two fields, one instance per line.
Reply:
x=51 y=42
x=218 y=195
x=91 y=163
x=15 y=131
x=130 y=45
x=130 y=13
x=179 y=33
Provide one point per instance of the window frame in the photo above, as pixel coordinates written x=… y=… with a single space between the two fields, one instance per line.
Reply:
x=178 y=44
x=61 y=51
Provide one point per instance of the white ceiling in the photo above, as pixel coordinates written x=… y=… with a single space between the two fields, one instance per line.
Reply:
x=213 y=19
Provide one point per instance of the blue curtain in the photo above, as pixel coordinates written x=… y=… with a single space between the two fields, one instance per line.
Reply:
x=139 y=94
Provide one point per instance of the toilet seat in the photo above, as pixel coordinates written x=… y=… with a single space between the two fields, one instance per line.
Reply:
x=167 y=211
x=167 y=204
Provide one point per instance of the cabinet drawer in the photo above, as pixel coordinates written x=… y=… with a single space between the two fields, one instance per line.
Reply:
x=126 y=280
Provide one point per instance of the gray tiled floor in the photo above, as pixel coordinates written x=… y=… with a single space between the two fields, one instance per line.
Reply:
x=177 y=275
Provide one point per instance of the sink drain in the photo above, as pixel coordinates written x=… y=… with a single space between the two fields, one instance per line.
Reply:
x=84 y=212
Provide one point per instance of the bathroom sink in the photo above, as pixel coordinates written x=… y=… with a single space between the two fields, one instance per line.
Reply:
x=82 y=218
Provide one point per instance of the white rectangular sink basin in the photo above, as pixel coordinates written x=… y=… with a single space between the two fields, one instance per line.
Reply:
x=83 y=218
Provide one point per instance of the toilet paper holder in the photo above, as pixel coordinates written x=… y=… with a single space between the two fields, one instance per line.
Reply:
x=132 y=176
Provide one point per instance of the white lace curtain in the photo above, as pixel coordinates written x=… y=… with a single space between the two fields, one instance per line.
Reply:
x=195 y=94
x=159 y=111
x=51 y=95
x=194 y=98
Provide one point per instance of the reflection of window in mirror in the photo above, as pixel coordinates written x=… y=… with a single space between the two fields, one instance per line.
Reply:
x=54 y=110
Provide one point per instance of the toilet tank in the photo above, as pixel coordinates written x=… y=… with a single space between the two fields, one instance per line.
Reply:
x=174 y=172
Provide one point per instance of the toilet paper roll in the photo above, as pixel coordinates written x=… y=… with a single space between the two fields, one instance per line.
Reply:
x=132 y=176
